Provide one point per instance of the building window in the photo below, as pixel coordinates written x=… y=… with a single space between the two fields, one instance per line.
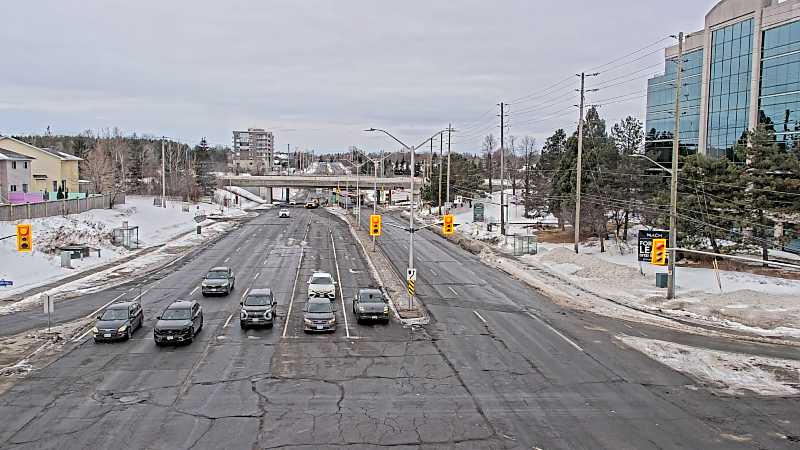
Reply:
x=729 y=88
x=13 y=164
x=24 y=187
x=25 y=165
x=13 y=188
x=55 y=186
x=779 y=101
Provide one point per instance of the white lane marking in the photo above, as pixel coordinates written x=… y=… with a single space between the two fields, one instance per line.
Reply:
x=341 y=292
x=228 y=322
x=452 y=290
x=569 y=341
x=434 y=273
x=480 y=317
x=194 y=290
x=257 y=275
x=227 y=259
x=294 y=288
x=245 y=292
x=80 y=338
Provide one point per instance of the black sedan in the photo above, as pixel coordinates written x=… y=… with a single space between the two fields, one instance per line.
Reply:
x=118 y=321
x=180 y=322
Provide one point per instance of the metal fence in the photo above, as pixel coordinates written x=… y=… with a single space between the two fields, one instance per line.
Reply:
x=58 y=207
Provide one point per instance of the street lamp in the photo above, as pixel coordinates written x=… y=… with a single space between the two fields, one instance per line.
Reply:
x=375 y=162
x=673 y=221
x=413 y=150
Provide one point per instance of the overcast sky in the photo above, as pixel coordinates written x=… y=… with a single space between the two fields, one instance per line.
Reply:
x=317 y=72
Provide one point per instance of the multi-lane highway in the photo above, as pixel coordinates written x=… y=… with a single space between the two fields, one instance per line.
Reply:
x=499 y=366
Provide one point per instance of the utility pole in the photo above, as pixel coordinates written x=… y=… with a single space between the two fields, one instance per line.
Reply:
x=502 y=171
x=673 y=208
x=447 y=199
x=580 y=159
x=441 y=164
x=163 y=176
x=430 y=165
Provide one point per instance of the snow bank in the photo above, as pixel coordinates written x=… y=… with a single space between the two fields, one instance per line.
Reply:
x=93 y=228
x=725 y=372
x=246 y=194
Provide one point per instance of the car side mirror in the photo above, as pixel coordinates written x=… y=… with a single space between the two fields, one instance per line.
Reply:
x=98 y=317
x=241 y=303
x=158 y=317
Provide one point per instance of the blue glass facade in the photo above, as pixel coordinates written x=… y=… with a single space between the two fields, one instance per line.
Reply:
x=660 y=122
x=779 y=102
x=729 y=87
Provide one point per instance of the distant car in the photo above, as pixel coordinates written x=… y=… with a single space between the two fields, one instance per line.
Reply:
x=319 y=315
x=219 y=280
x=257 y=308
x=179 y=322
x=292 y=202
x=118 y=321
x=370 y=304
x=311 y=204
x=284 y=213
x=321 y=285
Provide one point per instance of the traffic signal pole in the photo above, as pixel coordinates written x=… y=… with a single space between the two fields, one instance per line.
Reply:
x=673 y=207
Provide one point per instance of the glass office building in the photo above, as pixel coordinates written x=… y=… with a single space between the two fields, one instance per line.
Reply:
x=742 y=69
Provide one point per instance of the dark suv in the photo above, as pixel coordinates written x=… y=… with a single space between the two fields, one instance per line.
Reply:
x=118 y=321
x=370 y=304
x=180 y=322
x=258 y=308
x=219 y=280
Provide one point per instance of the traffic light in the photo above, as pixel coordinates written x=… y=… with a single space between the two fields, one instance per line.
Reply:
x=24 y=238
x=448 y=224
x=375 y=225
x=658 y=254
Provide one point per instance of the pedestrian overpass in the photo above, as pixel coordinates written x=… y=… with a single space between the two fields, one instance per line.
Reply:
x=263 y=184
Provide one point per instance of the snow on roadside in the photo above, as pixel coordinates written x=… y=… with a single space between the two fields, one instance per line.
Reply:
x=120 y=274
x=93 y=228
x=724 y=372
x=246 y=194
x=748 y=302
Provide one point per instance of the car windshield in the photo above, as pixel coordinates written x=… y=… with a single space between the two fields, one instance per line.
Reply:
x=176 y=314
x=257 y=300
x=320 y=307
x=370 y=297
x=321 y=280
x=217 y=275
x=115 y=314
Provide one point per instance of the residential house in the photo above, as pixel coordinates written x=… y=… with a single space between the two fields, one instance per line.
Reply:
x=50 y=168
x=15 y=177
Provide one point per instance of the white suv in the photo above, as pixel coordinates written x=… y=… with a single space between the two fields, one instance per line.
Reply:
x=322 y=285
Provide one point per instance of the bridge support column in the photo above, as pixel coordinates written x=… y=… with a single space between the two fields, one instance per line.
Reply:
x=286 y=193
x=265 y=193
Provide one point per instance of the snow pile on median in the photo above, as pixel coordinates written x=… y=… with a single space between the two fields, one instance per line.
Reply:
x=725 y=372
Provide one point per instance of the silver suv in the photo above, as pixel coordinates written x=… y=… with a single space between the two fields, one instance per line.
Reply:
x=219 y=280
x=321 y=285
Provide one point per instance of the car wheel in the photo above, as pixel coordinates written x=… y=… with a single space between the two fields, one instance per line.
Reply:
x=204 y=294
x=158 y=344
x=242 y=325
x=128 y=334
x=201 y=324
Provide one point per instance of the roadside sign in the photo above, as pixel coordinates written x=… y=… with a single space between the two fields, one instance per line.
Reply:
x=646 y=242
x=49 y=305
x=200 y=218
x=478 y=212
x=4 y=283
x=411 y=274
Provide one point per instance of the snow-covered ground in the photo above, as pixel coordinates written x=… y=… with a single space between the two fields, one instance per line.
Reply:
x=517 y=222
x=93 y=228
x=725 y=372
x=250 y=200
x=757 y=304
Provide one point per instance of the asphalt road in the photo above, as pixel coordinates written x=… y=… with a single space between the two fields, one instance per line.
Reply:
x=500 y=367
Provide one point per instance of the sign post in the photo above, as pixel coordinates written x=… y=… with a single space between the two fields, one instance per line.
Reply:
x=411 y=280
x=478 y=212
x=49 y=308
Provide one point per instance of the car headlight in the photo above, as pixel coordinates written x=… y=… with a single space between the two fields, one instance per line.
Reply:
x=122 y=329
x=95 y=330
x=307 y=321
x=386 y=309
x=243 y=314
x=360 y=308
x=332 y=321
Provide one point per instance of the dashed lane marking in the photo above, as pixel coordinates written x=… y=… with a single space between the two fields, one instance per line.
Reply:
x=453 y=291
x=228 y=322
x=194 y=290
x=561 y=335
x=480 y=317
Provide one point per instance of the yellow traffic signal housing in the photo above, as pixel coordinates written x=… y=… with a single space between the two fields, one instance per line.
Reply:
x=375 y=225
x=658 y=254
x=24 y=238
x=448 y=224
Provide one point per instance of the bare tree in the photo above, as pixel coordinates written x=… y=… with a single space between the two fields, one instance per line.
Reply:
x=528 y=147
